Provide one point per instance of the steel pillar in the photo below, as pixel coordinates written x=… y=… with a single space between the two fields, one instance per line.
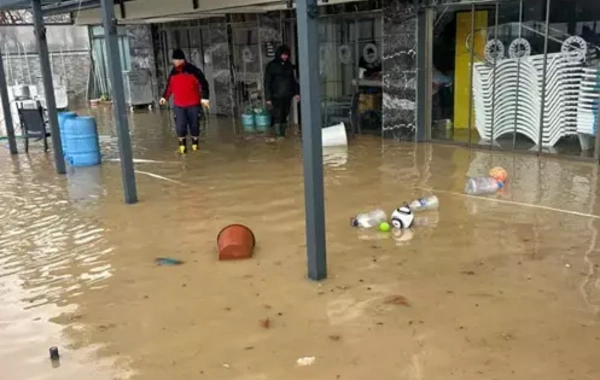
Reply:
x=115 y=73
x=544 y=79
x=307 y=14
x=10 y=131
x=597 y=132
x=424 y=56
x=40 y=34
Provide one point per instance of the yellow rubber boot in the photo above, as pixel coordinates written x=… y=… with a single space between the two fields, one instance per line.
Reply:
x=182 y=147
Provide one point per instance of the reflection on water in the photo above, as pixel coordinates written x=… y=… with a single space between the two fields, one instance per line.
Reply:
x=487 y=284
x=335 y=157
x=85 y=184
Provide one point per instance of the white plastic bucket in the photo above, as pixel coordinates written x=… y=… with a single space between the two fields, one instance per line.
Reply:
x=334 y=135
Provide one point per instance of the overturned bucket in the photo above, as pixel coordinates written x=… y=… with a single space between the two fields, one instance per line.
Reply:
x=334 y=135
x=235 y=242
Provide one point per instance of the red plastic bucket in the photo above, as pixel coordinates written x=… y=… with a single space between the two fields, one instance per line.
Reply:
x=235 y=242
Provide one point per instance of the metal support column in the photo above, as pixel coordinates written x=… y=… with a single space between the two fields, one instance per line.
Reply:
x=40 y=34
x=424 y=56
x=597 y=131
x=544 y=79
x=115 y=73
x=496 y=17
x=307 y=14
x=471 y=68
x=8 y=122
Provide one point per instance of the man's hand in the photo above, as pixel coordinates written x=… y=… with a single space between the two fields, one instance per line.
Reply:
x=297 y=98
x=205 y=103
x=162 y=101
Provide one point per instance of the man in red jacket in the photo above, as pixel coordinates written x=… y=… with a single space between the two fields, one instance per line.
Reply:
x=190 y=91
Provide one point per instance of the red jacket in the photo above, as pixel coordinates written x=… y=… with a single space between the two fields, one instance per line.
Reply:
x=188 y=86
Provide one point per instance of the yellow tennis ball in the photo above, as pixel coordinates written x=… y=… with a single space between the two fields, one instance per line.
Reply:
x=384 y=227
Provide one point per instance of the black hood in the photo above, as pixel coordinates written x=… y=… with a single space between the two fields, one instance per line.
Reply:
x=282 y=50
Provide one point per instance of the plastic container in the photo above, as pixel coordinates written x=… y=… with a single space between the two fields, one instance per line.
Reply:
x=235 y=241
x=334 y=135
x=482 y=185
x=369 y=219
x=62 y=117
x=81 y=136
x=262 y=121
x=248 y=122
x=430 y=202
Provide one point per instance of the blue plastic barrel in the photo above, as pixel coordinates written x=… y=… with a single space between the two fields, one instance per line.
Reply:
x=263 y=122
x=248 y=122
x=62 y=117
x=81 y=135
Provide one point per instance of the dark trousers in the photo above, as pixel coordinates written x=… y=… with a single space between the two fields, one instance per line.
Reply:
x=279 y=114
x=187 y=119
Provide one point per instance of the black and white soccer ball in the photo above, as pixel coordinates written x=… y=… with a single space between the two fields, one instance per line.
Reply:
x=403 y=217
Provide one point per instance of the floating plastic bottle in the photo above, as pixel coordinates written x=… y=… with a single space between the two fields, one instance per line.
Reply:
x=482 y=185
x=430 y=202
x=369 y=219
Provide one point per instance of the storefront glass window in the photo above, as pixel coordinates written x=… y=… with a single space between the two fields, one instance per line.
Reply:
x=350 y=59
x=517 y=75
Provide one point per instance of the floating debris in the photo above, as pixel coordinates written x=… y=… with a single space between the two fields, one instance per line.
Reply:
x=265 y=323
x=397 y=300
x=167 y=261
x=54 y=355
x=306 y=361
x=158 y=177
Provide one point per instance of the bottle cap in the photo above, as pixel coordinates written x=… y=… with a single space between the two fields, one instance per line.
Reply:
x=353 y=222
x=500 y=184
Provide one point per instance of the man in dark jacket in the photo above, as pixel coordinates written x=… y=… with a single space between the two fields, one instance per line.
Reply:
x=281 y=87
x=190 y=92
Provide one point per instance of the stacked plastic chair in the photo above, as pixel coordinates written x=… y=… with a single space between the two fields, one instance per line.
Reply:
x=562 y=92
x=521 y=96
x=587 y=107
x=518 y=98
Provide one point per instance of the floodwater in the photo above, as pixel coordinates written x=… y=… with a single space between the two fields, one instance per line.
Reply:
x=501 y=287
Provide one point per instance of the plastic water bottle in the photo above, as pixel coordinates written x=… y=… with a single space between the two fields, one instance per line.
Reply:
x=369 y=219
x=482 y=185
x=430 y=202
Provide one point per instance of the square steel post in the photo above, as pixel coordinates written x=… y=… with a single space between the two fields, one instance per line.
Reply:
x=10 y=131
x=115 y=73
x=424 y=56
x=307 y=14
x=40 y=34
x=544 y=79
x=597 y=130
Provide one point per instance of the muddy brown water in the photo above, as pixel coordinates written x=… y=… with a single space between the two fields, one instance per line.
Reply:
x=505 y=287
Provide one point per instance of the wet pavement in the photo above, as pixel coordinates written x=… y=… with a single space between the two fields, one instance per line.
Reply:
x=501 y=287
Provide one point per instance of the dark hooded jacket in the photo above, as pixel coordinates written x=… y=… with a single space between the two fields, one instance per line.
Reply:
x=280 y=77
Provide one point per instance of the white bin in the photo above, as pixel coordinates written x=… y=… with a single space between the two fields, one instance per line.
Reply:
x=334 y=135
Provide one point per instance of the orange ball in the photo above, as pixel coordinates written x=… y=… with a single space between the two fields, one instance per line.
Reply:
x=499 y=174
